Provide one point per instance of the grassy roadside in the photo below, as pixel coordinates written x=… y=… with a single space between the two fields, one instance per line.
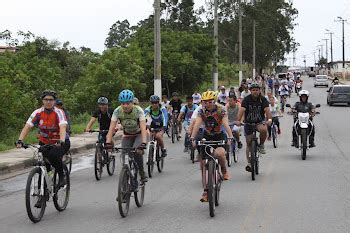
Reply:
x=79 y=123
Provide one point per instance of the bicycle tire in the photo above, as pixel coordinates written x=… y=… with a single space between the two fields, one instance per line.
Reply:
x=303 y=144
x=228 y=155
x=160 y=160
x=124 y=192
x=140 y=195
x=211 y=188
x=68 y=161
x=234 y=154
x=34 y=219
x=218 y=181
x=111 y=165
x=98 y=164
x=56 y=203
x=192 y=153
x=253 y=158
x=150 y=162
x=172 y=133
x=274 y=136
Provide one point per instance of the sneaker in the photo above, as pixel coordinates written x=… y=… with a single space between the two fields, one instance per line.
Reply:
x=39 y=203
x=279 y=131
x=144 y=179
x=269 y=139
x=61 y=183
x=226 y=176
x=186 y=149
x=164 y=153
x=261 y=149
x=248 y=168
x=204 y=197
x=240 y=145
x=312 y=144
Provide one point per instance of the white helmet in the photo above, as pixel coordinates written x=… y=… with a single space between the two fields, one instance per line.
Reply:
x=304 y=92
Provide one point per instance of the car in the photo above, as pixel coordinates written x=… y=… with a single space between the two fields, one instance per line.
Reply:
x=312 y=74
x=338 y=94
x=321 y=80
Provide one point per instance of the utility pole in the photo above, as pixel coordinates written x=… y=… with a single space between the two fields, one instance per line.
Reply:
x=343 y=40
x=331 y=37
x=240 y=42
x=157 y=50
x=326 y=48
x=304 y=61
x=314 y=52
x=254 y=48
x=216 y=43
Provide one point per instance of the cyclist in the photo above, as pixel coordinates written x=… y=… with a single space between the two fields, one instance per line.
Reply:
x=176 y=105
x=222 y=96
x=133 y=121
x=232 y=108
x=59 y=104
x=290 y=83
x=213 y=116
x=245 y=91
x=52 y=124
x=275 y=112
x=283 y=93
x=103 y=115
x=196 y=98
x=254 y=107
x=186 y=114
x=270 y=83
x=276 y=85
x=304 y=106
x=159 y=120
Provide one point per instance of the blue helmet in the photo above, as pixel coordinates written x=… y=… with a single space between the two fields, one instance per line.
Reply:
x=126 y=96
x=154 y=98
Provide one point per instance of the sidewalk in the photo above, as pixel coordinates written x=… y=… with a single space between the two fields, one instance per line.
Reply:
x=19 y=159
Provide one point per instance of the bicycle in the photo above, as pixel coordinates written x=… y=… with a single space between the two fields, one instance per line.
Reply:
x=212 y=172
x=128 y=182
x=102 y=157
x=41 y=185
x=274 y=130
x=67 y=159
x=174 y=127
x=154 y=154
x=254 y=155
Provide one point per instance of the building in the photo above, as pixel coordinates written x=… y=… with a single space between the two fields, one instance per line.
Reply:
x=7 y=48
x=336 y=69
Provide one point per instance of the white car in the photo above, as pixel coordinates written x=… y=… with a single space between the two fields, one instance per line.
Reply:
x=321 y=80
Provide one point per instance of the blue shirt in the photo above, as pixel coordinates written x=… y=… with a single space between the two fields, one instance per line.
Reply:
x=188 y=111
x=160 y=117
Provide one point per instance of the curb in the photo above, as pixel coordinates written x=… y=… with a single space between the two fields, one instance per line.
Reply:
x=26 y=163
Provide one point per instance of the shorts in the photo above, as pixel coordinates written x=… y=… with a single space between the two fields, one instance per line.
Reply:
x=248 y=130
x=215 y=137
x=131 y=141
x=235 y=128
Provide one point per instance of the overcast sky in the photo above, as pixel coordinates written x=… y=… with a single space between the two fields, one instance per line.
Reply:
x=86 y=23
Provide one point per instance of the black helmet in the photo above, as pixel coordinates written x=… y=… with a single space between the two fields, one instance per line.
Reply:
x=48 y=93
x=154 y=98
x=102 y=100
x=59 y=102
x=175 y=94
x=255 y=85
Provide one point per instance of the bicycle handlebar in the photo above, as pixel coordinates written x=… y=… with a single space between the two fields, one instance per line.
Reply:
x=98 y=131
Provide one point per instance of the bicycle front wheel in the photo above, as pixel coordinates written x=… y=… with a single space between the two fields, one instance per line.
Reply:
x=140 y=195
x=35 y=201
x=160 y=160
x=98 y=163
x=124 y=192
x=61 y=196
x=274 y=136
x=68 y=161
x=211 y=188
x=173 y=133
x=111 y=164
x=253 y=158
x=150 y=162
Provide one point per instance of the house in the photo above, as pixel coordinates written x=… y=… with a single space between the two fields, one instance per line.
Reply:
x=337 y=69
x=7 y=48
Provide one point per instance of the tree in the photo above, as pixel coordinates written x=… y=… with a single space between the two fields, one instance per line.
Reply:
x=118 y=34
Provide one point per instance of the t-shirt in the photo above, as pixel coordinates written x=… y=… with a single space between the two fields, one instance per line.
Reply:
x=222 y=97
x=303 y=107
x=212 y=119
x=274 y=110
x=245 y=94
x=188 y=111
x=159 y=118
x=48 y=122
x=130 y=121
x=165 y=105
x=104 y=119
x=283 y=90
x=232 y=113
x=176 y=105
x=254 y=109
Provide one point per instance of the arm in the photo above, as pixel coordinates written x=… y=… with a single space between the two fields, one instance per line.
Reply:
x=25 y=132
x=112 y=127
x=240 y=114
x=143 y=131
x=226 y=126
x=165 y=117
x=63 y=129
x=197 y=125
x=179 y=118
x=90 y=124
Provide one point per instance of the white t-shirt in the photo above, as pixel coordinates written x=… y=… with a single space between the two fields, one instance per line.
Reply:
x=195 y=114
x=222 y=97
x=245 y=94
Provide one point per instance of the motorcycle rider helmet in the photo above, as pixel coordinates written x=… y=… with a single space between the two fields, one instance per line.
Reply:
x=304 y=93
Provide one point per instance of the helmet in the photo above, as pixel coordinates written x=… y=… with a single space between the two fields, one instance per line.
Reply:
x=154 y=98
x=232 y=95
x=126 y=96
x=50 y=93
x=254 y=85
x=136 y=100
x=175 y=94
x=208 y=95
x=222 y=88
x=102 y=100
x=59 y=102
x=304 y=92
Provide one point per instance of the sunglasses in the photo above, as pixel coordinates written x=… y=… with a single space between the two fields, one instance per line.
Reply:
x=154 y=102
x=49 y=100
x=209 y=101
x=126 y=103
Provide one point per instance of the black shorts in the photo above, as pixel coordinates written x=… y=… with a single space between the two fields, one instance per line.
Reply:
x=215 y=137
x=248 y=130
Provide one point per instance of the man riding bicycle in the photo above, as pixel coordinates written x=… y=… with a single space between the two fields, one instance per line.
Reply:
x=176 y=105
x=52 y=125
x=232 y=108
x=254 y=107
x=159 y=120
x=186 y=114
x=275 y=113
x=283 y=92
x=133 y=121
x=213 y=116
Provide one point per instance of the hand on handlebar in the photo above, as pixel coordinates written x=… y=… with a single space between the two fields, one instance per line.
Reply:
x=19 y=144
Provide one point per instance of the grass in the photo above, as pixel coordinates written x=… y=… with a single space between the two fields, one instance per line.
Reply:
x=79 y=123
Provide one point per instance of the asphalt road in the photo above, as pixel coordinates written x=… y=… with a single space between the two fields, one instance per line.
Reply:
x=290 y=195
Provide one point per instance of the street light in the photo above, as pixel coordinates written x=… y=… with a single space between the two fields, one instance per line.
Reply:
x=331 y=37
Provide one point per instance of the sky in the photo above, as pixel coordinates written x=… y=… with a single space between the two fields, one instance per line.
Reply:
x=86 y=23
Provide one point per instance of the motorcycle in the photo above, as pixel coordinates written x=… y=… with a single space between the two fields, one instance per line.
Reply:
x=298 y=88
x=301 y=127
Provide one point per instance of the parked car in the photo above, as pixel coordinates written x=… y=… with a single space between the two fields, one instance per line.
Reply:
x=321 y=80
x=312 y=74
x=338 y=94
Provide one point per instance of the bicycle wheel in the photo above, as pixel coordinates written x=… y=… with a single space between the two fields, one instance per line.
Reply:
x=124 y=192
x=234 y=152
x=303 y=144
x=228 y=155
x=192 y=153
x=160 y=161
x=33 y=195
x=256 y=164
x=173 y=133
x=150 y=162
x=217 y=185
x=253 y=158
x=68 y=161
x=98 y=163
x=211 y=188
x=61 y=196
x=274 y=136
x=111 y=164
x=140 y=195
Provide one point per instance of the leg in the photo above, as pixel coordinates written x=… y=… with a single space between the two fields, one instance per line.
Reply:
x=312 y=136
x=263 y=133
x=219 y=153
x=139 y=157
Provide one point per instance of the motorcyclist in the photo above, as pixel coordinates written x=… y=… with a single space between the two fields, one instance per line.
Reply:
x=335 y=81
x=304 y=106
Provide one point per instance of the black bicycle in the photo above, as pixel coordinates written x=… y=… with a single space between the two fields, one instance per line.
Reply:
x=254 y=155
x=174 y=127
x=102 y=157
x=67 y=159
x=212 y=172
x=128 y=182
x=41 y=185
x=154 y=154
x=274 y=133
